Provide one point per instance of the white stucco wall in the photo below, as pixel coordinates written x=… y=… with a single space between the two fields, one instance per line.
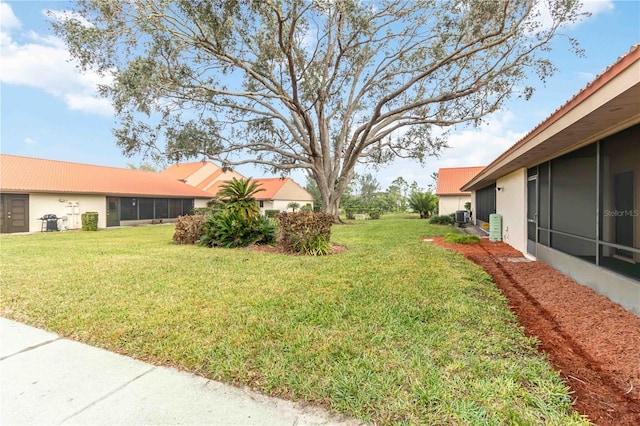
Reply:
x=200 y=202
x=282 y=205
x=473 y=207
x=448 y=204
x=41 y=204
x=511 y=203
x=65 y=205
x=291 y=191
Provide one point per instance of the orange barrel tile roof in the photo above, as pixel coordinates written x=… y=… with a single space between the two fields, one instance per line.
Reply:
x=451 y=179
x=271 y=186
x=27 y=174
x=183 y=170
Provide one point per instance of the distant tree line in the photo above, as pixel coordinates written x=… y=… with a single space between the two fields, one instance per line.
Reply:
x=364 y=194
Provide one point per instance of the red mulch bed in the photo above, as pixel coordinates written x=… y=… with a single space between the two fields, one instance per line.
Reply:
x=592 y=341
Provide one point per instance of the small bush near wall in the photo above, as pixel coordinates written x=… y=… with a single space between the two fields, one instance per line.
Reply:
x=207 y=211
x=305 y=233
x=441 y=220
x=189 y=229
x=89 y=221
x=462 y=239
x=271 y=213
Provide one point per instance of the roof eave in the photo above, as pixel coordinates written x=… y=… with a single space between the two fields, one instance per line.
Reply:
x=453 y=193
x=607 y=105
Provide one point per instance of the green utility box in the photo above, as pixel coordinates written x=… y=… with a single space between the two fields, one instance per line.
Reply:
x=495 y=227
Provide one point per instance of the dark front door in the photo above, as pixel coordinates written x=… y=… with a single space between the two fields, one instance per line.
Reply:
x=623 y=194
x=113 y=211
x=14 y=213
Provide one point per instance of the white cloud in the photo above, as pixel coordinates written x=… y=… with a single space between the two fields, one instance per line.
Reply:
x=597 y=6
x=468 y=147
x=8 y=20
x=29 y=141
x=88 y=103
x=593 y=7
x=43 y=62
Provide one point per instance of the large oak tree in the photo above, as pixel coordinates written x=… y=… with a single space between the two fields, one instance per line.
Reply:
x=316 y=85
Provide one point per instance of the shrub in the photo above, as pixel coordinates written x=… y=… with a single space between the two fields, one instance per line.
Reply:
x=305 y=233
x=267 y=231
x=239 y=196
x=231 y=229
x=441 y=220
x=375 y=213
x=89 y=221
x=424 y=203
x=189 y=229
x=462 y=239
x=271 y=213
x=316 y=246
x=227 y=229
x=240 y=223
x=306 y=208
x=207 y=211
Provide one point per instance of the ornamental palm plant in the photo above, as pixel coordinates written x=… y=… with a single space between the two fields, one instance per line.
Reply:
x=239 y=196
x=424 y=203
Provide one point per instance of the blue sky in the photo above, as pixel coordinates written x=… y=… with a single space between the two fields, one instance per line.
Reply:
x=50 y=110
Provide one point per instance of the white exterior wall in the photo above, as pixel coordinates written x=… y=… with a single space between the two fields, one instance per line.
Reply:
x=73 y=206
x=282 y=204
x=69 y=205
x=448 y=204
x=473 y=207
x=200 y=202
x=266 y=205
x=291 y=191
x=511 y=203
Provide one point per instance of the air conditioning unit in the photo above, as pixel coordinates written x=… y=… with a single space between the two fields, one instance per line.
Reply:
x=462 y=216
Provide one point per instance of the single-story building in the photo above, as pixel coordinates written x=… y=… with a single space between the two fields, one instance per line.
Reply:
x=277 y=194
x=32 y=187
x=569 y=191
x=450 y=180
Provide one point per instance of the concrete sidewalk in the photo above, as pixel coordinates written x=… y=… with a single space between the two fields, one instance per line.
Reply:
x=45 y=379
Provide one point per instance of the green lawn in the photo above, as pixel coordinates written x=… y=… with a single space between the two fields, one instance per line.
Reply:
x=395 y=330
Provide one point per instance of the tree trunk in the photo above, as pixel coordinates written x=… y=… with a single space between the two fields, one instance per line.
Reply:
x=329 y=194
x=331 y=206
x=330 y=203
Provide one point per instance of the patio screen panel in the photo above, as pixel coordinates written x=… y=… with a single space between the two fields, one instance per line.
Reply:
x=485 y=202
